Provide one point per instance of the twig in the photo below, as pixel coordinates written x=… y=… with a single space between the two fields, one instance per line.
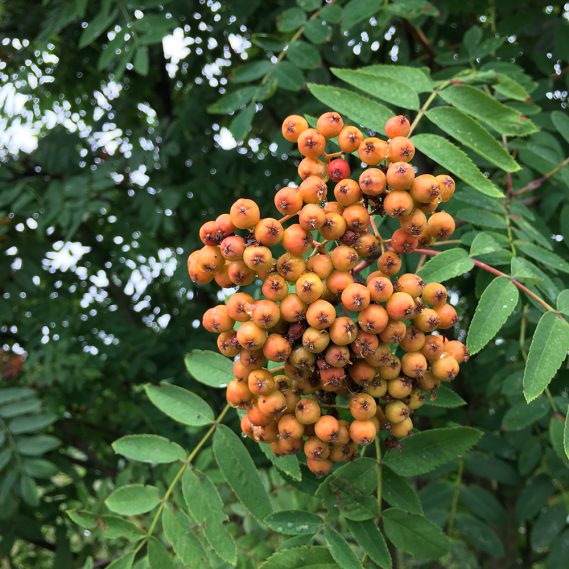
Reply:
x=538 y=182
x=499 y=273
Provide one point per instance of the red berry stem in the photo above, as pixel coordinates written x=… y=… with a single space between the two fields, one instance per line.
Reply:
x=499 y=273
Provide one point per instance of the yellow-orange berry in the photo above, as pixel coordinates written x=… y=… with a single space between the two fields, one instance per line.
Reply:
x=397 y=126
x=292 y=126
x=447 y=187
x=372 y=150
x=372 y=182
x=349 y=139
x=311 y=143
x=245 y=213
x=400 y=149
x=330 y=124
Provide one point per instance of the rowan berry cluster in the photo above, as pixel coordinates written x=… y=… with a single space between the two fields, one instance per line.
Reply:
x=354 y=355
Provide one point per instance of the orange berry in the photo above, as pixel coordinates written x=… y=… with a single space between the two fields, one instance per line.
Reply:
x=276 y=348
x=292 y=126
x=365 y=344
x=441 y=225
x=433 y=347
x=217 y=319
x=272 y=403
x=400 y=149
x=400 y=176
x=265 y=313
x=447 y=187
x=357 y=218
x=425 y=188
x=260 y=381
x=319 y=467
x=400 y=387
x=296 y=240
x=457 y=350
x=327 y=428
x=344 y=258
x=373 y=319
x=394 y=332
x=314 y=340
x=372 y=182
x=274 y=287
x=414 y=223
x=311 y=143
x=309 y=287
x=337 y=356
x=396 y=411
x=389 y=263
x=321 y=264
x=434 y=294
x=258 y=258
x=347 y=192
x=413 y=341
x=244 y=213
x=330 y=124
x=350 y=139
x=355 y=297
x=402 y=429
x=362 y=406
x=251 y=336
x=414 y=364
x=398 y=203
x=334 y=226
x=269 y=232
x=410 y=283
x=321 y=314
x=307 y=411
x=288 y=201
x=338 y=281
x=363 y=432
x=426 y=320
x=403 y=242
x=343 y=331
x=397 y=126
x=313 y=190
x=239 y=306
x=372 y=151
x=312 y=167
x=227 y=343
x=290 y=428
x=290 y=267
x=447 y=316
x=238 y=394
x=400 y=306
x=293 y=309
x=446 y=368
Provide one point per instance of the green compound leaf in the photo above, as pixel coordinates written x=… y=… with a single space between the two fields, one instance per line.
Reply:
x=495 y=306
x=294 y=522
x=149 y=448
x=206 y=509
x=209 y=368
x=445 y=397
x=399 y=493
x=416 y=78
x=180 y=404
x=446 y=265
x=371 y=540
x=342 y=553
x=362 y=110
x=307 y=557
x=523 y=415
x=486 y=109
x=240 y=471
x=133 y=499
x=424 y=451
x=452 y=158
x=415 y=534
x=387 y=89
x=547 y=352
x=469 y=133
